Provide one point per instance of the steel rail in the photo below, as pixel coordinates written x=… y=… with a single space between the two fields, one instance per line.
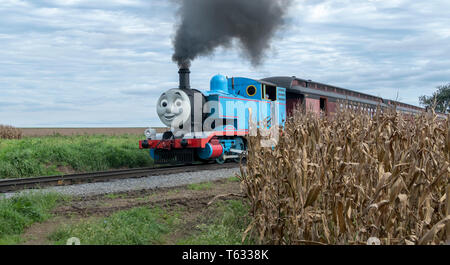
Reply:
x=7 y=185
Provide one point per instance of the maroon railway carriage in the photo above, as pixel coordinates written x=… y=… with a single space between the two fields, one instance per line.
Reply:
x=318 y=97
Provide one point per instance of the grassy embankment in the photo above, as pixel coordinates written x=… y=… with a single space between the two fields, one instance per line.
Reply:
x=144 y=225
x=220 y=223
x=52 y=155
x=226 y=228
x=19 y=212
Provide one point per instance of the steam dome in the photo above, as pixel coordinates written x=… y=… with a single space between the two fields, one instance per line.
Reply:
x=219 y=83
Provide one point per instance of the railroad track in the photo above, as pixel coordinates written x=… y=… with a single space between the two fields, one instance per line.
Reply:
x=7 y=185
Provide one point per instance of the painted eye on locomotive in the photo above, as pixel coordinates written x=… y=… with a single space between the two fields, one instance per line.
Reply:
x=174 y=107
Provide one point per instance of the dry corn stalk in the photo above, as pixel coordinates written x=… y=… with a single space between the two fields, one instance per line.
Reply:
x=9 y=132
x=354 y=175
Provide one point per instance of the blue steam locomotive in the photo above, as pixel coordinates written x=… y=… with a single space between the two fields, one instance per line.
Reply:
x=212 y=125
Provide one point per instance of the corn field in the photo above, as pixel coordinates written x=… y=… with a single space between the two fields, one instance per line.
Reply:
x=9 y=132
x=349 y=177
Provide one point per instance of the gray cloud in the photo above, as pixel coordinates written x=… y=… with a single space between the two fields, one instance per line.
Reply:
x=89 y=62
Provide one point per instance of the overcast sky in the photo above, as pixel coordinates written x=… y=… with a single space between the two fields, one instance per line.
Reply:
x=89 y=63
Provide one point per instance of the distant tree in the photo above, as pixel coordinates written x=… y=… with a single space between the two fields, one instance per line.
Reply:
x=440 y=100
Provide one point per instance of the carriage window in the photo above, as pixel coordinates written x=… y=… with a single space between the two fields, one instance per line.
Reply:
x=323 y=104
x=271 y=92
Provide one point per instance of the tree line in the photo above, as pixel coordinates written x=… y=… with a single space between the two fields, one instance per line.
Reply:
x=439 y=101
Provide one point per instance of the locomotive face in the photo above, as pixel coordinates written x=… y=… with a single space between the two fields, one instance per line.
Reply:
x=174 y=107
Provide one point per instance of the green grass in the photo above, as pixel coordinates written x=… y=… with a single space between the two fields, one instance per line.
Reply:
x=137 y=226
x=231 y=220
x=144 y=226
x=21 y=211
x=233 y=179
x=113 y=196
x=42 y=156
x=200 y=186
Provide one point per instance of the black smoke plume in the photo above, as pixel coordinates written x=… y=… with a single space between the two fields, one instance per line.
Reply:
x=208 y=24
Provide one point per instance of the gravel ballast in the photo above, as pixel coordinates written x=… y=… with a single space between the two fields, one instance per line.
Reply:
x=151 y=182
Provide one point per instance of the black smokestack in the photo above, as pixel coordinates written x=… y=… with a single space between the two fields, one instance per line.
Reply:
x=208 y=24
x=184 y=78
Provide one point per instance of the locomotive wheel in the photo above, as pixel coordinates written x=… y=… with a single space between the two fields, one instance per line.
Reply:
x=220 y=160
x=240 y=146
x=242 y=158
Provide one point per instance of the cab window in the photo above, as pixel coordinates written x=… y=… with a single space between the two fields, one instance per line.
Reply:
x=270 y=92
